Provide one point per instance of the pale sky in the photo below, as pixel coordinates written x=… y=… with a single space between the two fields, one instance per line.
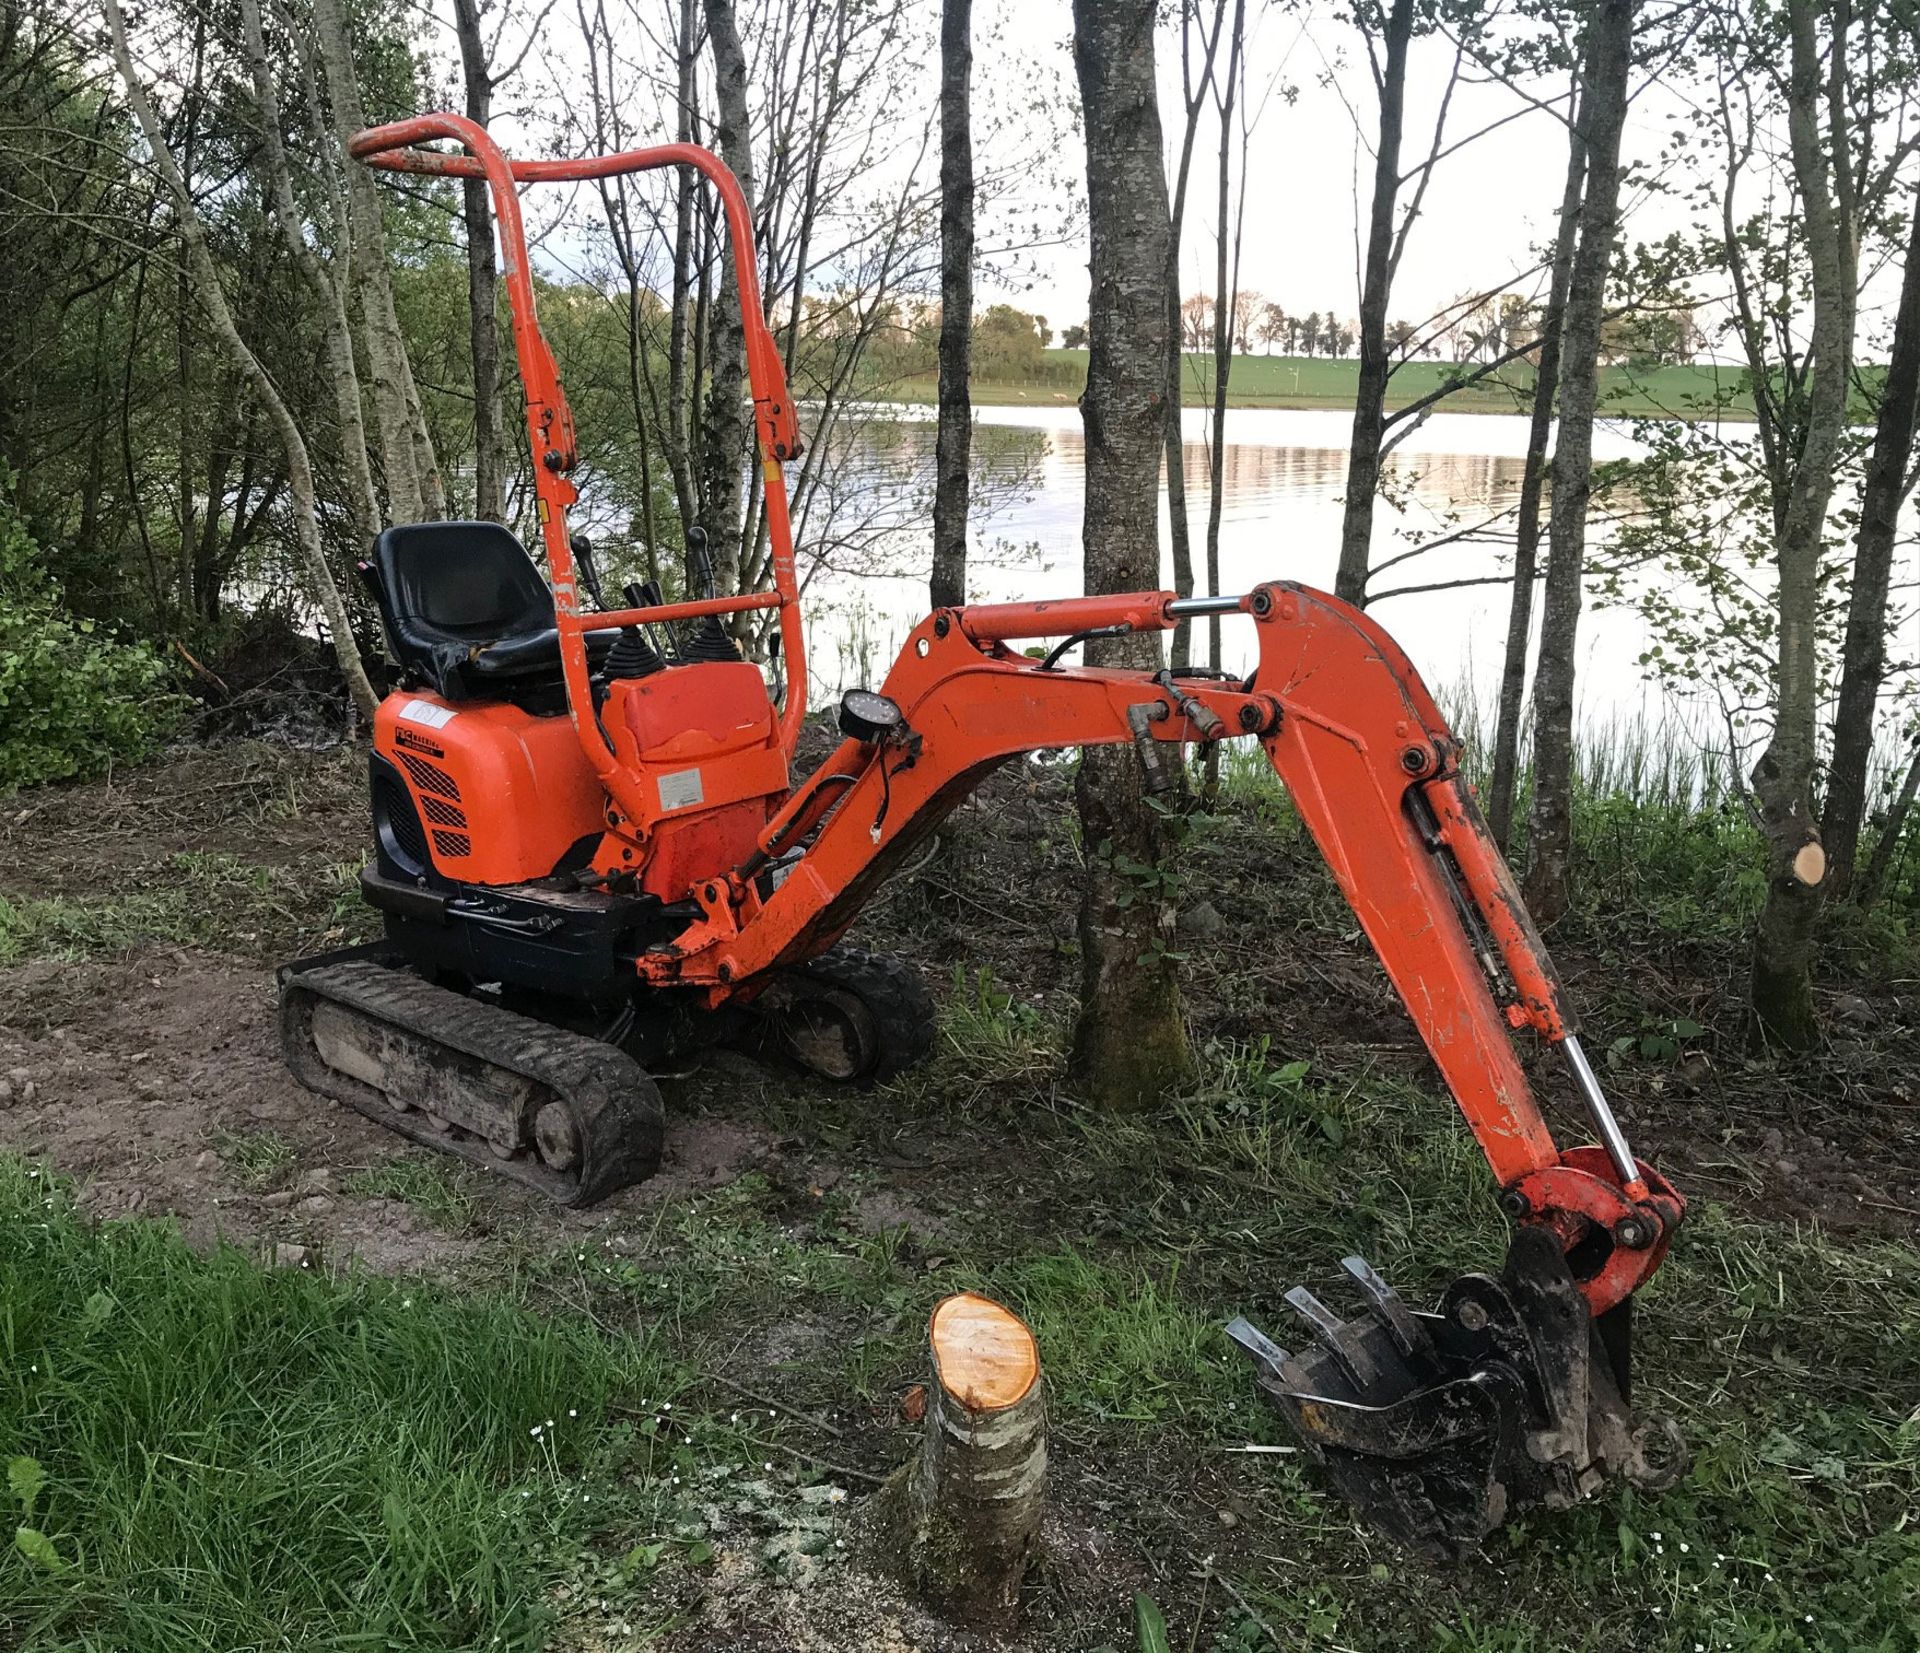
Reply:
x=1489 y=206
x=1486 y=208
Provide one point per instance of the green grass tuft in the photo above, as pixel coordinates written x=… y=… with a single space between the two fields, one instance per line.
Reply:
x=239 y=1458
x=260 y=1159
x=432 y=1188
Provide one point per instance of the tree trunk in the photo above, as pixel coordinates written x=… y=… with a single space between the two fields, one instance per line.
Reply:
x=1180 y=537
x=1376 y=292
x=1864 y=660
x=363 y=504
x=1526 y=544
x=1130 y=1043
x=954 y=441
x=412 y=473
x=728 y=432
x=213 y=300
x=1782 y=984
x=489 y=466
x=1603 y=106
x=962 y=1522
x=1874 y=880
x=1227 y=286
x=680 y=394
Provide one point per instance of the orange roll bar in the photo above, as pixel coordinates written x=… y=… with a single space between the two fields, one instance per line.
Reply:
x=550 y=420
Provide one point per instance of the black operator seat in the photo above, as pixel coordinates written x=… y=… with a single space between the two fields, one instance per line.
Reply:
x=467 y=612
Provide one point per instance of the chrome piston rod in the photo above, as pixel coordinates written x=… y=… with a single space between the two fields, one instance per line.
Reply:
x=1612 y=1138
x=1181 y=606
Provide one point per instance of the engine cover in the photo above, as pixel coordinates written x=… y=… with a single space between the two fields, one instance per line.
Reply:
x=501 y=796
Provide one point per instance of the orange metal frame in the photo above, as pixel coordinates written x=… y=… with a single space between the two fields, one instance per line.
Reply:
x=550 y=421
x=1366 y=757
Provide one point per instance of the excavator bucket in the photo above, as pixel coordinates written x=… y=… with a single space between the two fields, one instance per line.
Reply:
x=1437 y=1428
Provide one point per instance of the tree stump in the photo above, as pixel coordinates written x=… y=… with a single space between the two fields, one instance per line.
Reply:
x=961 y=1521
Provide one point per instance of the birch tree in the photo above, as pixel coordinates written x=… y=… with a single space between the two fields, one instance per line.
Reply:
x=410 y=469
x=1197 y=38
x=953 y=442
x=727 y=431
x=1389 y=66
x=1606 y=61
x=1816 y=106
x=1130 y=1041
x=1505 y=764
x=489 y=458
x=1890 y=479
x=325 y=279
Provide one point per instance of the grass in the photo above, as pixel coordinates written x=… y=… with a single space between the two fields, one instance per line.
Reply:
x=192 y=898
x=237 y=1457
x=1324 y=382
x=427 y=1184
x=260 y=1159
x=1792 y=1358
x=240 y=1458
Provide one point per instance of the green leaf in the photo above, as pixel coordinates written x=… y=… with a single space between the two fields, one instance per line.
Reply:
x=644 y=1558
x=1293 y=1072
x=25 y=1478
x=1684 y=1029
x=97 y=1311
x=1150 y=1626
x=699 y=1553
x=38 y=1548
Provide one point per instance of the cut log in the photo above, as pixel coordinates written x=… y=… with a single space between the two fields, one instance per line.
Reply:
x=961 y=1522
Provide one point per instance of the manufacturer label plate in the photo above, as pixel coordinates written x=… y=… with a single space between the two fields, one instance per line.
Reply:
x=680 y=789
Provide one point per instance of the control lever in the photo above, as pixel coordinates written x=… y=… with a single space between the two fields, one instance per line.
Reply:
x=646 y=594
x=699 y=564
x=582 y=549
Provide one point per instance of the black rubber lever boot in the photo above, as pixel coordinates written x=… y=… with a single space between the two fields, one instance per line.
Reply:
x=706 y=638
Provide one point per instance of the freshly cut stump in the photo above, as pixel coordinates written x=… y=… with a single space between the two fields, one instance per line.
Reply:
x=962 y=1520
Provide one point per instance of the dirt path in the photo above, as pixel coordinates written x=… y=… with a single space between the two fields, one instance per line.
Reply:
x=156 y=1081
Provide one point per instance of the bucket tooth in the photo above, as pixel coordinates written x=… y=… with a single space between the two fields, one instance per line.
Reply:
x=1388 y=1308
x=1334 y=1335
x=1268 y=1358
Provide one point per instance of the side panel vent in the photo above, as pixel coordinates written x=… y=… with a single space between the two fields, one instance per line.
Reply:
x=428 y=777
x=442 y=813
x=452 y=844
x=394 y=810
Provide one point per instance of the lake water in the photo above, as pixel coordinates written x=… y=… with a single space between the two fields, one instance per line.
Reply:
x=1284 y=476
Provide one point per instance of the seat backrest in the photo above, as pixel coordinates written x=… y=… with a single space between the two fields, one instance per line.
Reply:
x=458 y=582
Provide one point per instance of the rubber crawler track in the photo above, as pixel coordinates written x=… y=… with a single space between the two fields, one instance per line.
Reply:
x=616 y=1108
x=897 y=999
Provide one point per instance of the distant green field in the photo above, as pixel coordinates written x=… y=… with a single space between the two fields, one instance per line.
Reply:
x=1320 y=382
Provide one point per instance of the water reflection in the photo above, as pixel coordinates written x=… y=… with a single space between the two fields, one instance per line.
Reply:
x=1282 y=501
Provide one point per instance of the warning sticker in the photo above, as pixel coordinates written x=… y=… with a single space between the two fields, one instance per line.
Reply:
x=681 y=788
x=424 y=711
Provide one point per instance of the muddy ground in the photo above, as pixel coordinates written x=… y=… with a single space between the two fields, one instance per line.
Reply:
x=138 y=1054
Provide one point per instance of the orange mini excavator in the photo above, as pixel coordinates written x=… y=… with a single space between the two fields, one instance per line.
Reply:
x=590 y=854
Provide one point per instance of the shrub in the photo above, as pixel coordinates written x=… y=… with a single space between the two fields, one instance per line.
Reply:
x=74 y=699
